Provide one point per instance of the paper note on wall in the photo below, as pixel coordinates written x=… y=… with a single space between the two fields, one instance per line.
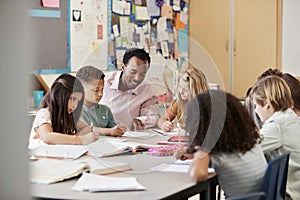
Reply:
x=162 y=34
x=50 y=3
x=141 y=13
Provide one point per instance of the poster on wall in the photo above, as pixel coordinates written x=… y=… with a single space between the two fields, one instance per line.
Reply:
x=87 y=32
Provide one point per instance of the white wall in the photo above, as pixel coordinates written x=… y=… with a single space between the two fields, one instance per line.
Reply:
x=291 y=37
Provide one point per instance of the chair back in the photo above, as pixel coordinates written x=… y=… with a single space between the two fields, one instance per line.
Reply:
x=275 y=177
x=252 y=196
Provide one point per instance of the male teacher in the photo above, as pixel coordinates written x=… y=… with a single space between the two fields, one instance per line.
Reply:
x=132 y=100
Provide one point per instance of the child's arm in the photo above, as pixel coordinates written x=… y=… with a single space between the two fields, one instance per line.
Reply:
x=166 y=121
x=117 y=130
x=46 y=134
x=199 y=168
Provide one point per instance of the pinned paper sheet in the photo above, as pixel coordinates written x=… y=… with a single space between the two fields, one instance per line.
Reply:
x=153 y=9
x=50 y=3
x=166 y=11
x=123 y=21
x=141 y=13
x=165 y=49
x=162 y=34
x=116 y=30
x=100 y=32
x=121 y=7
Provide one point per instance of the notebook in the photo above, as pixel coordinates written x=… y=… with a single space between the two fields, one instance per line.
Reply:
x=58 y=151
x=107 y=147
x=48 y=171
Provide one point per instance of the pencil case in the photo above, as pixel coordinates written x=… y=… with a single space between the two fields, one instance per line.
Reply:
x=165 y=150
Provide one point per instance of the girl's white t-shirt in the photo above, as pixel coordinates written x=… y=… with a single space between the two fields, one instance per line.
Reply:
x=42 y=117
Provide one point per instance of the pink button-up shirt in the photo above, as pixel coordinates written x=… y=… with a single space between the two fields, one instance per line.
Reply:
x=140 y=103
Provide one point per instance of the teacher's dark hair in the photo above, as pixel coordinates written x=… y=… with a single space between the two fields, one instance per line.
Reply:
x=135 y=52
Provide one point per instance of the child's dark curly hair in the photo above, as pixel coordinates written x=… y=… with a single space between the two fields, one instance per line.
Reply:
x=218 y=122
x=135 y=52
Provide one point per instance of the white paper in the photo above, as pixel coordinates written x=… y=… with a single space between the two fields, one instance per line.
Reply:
x=124 y=21
x=141 y=13
x=116 y=30
x=121 y=7
x=165 y=167
x=139 y=134
x=98 y=183
x=181 y=168
x=153 y=9
x=184 y=17
x=164 y=48
x=162 y=34
x=183 y=162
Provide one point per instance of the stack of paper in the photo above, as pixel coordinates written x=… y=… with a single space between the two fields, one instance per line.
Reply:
x=98 y=183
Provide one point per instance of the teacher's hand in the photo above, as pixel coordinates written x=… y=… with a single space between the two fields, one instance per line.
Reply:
x=137 y=125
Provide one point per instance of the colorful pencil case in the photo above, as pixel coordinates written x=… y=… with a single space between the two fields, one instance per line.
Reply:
x=165 y=150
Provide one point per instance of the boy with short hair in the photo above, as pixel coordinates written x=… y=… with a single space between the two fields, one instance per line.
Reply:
x=100 y=115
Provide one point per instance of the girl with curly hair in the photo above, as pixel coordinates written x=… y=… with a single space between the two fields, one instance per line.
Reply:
x=221 y=132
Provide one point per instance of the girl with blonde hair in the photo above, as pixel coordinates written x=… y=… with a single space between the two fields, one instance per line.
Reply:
x=191 y=82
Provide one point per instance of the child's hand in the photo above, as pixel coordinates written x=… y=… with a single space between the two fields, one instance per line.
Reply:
x=118 y=130
x=89 y=138
x=167 y=126
x=181 y=154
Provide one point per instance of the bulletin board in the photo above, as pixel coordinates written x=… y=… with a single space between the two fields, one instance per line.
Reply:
x=102 y=30
x=98 y=32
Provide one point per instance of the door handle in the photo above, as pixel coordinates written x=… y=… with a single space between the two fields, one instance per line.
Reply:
x=226 y=45
x=234 y=47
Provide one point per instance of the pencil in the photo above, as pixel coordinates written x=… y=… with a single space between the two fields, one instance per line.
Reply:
x=165 y=107
x=179 y=136
x=109 y=120
x=92 y=127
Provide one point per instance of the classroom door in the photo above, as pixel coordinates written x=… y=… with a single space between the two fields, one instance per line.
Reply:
x=209 y=28
x=255 y=41
x=243 y=52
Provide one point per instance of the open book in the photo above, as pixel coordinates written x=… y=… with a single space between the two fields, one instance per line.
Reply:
x=48 y=171
x=107 y=147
